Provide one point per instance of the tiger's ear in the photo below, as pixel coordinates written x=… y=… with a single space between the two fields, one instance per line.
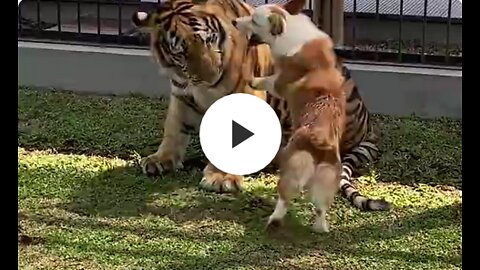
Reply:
x=276 y=24
x=141 y=19
x=294 y=7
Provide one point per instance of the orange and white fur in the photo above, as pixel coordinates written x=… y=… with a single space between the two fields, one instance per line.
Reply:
x=315 y=91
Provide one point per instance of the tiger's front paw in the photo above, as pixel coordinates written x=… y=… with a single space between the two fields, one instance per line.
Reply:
x=159 y=163
x=257 y=83
x=218 y=181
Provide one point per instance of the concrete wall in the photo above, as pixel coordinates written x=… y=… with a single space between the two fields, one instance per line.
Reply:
x=373 y=30
x=428 y=92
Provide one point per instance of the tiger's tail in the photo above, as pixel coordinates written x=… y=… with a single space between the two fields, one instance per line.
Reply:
x=353 y=195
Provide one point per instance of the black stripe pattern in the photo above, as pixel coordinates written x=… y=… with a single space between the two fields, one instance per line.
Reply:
x=359 y=148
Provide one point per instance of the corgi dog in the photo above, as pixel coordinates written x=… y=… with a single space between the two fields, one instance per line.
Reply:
x=308 y=78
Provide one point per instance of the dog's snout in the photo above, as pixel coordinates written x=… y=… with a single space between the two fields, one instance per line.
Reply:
x=234 y=22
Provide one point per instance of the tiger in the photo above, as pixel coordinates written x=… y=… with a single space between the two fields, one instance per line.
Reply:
x=206 y=58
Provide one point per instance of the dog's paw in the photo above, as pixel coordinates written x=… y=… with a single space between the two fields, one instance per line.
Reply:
x=274 y=224
x=320 y=226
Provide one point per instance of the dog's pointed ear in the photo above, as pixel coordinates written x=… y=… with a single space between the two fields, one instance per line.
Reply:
x=141 y=19
x=277 y=25
x=294 y=7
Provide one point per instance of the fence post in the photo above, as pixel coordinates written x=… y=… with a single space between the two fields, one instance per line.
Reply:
x=328 y=14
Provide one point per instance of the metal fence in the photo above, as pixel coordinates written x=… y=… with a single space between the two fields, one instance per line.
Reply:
x=404 y=31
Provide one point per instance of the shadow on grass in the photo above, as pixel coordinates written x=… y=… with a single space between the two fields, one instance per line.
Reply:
x=121 y=192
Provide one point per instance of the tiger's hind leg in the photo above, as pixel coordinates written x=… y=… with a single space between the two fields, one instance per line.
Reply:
x=366 y=151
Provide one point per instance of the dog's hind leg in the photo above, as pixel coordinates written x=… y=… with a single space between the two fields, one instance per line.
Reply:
x=286 y=190
x=322 y=192
x=296 y=168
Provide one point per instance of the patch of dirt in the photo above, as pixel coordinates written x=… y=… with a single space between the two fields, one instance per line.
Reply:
x=26 y=240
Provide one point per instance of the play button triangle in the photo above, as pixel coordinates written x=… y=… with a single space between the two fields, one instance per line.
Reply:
x=239 y=134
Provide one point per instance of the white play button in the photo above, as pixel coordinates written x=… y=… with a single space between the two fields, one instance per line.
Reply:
x=240 y=134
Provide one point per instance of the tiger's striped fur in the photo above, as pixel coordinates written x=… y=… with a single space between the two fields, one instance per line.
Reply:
x=359 y=146
x=206 y=58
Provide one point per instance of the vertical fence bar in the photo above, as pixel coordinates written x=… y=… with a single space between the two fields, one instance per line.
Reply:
x=424 y=30
x=79 y=23
x=20 y=27
x=400 y=39
x=377 y=20
x=316 y=12
x=321 y=13
x=119 y=39
x=59 y=18
x=39 y=25
x=98 y=22
x=325 y=22
x=354 y=23
x=330 y=18
x=447 y=46
x=339 y=22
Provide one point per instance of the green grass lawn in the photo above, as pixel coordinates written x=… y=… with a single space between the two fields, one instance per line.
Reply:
x=84 y=204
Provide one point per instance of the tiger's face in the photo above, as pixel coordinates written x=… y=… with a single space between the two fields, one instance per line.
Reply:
x=185 y=40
